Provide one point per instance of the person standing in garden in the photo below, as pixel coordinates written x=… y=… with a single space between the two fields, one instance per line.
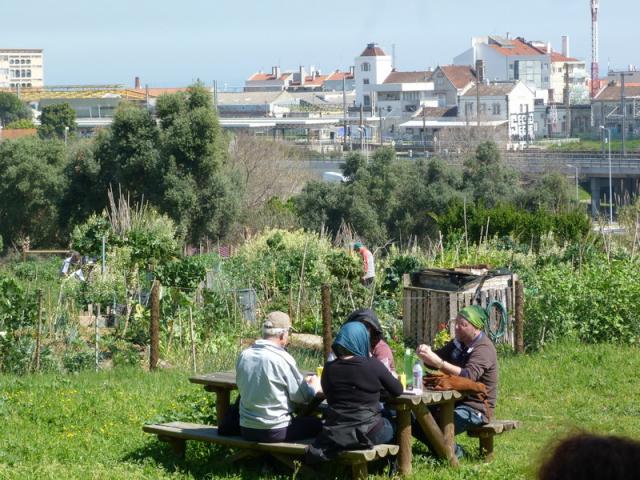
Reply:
x=270 y=384
x=471 y=355
x=368 y=266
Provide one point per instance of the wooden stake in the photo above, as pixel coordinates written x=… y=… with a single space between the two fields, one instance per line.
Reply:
x=519 y=307
x=96 y=338
x=326 y=320
x=193 y=342
x=154 y=333
x=38 y=332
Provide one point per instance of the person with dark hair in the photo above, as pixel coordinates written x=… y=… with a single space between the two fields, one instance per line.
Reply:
x=471 y=355
x=379 y=348
x=352 y=384
x=270 y=384
x=585 y=456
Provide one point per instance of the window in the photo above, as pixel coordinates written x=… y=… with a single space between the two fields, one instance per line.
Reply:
x=496 y=109
x=367 y=101
x=483 y=108
x=468 y=109
x=365 y=67
x=365 y=81
x=29 y=73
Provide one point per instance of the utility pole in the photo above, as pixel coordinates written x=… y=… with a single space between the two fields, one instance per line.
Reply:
x=567 y=100
x=424 y=132
x=479 y=80
x=361 y=129
x=380 y=118
x=344 y=112
x=623 y=105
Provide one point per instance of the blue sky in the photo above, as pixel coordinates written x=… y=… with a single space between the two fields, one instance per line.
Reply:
x=172 y=43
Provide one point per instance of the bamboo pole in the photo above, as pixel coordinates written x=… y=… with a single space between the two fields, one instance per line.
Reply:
x=304 y=258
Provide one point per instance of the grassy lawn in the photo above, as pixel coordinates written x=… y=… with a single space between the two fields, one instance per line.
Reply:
x=89 y=425
x=631 y=145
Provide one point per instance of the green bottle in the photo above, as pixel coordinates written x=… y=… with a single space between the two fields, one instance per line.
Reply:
x=408 y=366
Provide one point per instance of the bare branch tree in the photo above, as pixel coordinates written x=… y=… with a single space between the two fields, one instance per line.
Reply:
x=268 y=169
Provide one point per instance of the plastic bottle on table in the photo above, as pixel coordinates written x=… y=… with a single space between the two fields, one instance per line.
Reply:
x=408 y=366
x=417 y=377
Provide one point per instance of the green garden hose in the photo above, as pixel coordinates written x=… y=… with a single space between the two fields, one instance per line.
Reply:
x=501 y=329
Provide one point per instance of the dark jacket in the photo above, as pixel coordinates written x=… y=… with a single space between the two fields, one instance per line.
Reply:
x=353 y=389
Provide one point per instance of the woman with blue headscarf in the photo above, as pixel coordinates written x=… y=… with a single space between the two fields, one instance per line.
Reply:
x=352 y=384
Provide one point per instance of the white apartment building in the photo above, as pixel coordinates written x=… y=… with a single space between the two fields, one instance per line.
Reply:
x=534 y=63
x=23 y=67
x=402 y=94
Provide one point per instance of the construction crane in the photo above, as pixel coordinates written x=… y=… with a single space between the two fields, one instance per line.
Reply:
x=595 y=76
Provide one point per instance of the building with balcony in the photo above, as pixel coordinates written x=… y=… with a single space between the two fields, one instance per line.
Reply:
x=21 y=67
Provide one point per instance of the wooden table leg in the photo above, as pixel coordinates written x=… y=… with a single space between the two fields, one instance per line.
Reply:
x=223 y=399
x=449 y=432
x=432 y=431
x=404 y=440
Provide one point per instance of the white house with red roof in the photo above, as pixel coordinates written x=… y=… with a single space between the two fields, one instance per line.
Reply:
x=312 y=81
x=268 y=82
x=372 y=67
x=451 y=81
x=511 y=101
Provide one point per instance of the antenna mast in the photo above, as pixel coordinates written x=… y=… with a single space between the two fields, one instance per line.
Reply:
x=595 y=75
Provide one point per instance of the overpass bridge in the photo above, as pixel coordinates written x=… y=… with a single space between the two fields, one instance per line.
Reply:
x=591 y=169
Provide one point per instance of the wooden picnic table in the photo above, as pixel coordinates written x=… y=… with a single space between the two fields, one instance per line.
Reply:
x=440 y=432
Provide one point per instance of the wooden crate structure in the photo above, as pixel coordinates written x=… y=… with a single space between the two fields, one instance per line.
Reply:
x=427 y=310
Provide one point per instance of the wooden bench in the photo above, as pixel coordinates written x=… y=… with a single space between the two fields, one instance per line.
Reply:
x=177 y=434
x=485 y=434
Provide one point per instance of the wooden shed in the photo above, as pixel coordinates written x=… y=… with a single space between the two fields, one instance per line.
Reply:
x=433 y=297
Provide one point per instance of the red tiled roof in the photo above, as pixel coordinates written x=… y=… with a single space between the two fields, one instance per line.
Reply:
x=262 y=77
x=312 y=81
x=338 y=75
x=558 y=57
x=459 y=75
x=13 y=133
x=408 y=77
x=373 y=50
x=518 y=47
x=612 y=92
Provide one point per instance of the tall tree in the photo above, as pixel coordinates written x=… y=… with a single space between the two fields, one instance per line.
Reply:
x=31 y=187
x=57 y=121
x=12 y=109
x=199 y=195
x=488 y=179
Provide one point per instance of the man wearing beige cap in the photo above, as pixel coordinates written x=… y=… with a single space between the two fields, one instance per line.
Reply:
x=270 y=384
